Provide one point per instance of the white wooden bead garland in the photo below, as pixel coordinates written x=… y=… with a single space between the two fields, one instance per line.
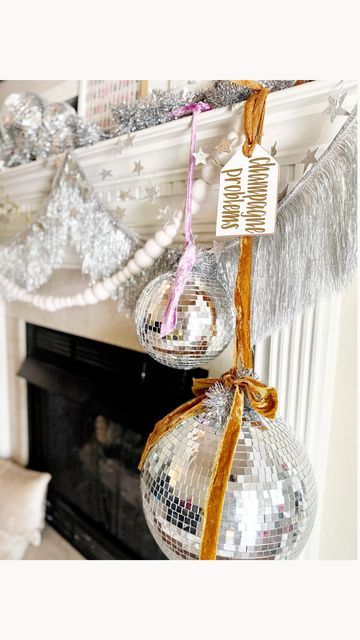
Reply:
x=142 y=259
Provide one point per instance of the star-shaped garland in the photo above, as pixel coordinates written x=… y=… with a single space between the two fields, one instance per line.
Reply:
x=122 y=144
x=283 y=193
x=335 y=107
x=167 y=215
x=152 y=192
x=200 y=156
x=224 y=146
x=309 y=158
x=105 y=173
x=125 y=195
x=273 y=150
x=119 y=213
x=138 y=167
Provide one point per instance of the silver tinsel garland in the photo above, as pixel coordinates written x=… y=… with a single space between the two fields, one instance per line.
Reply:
x=314 y=250
x=224 y=93
x=73 y=213
x=158 y=107
x=33 y=130
x=312 y=253
x=153 y=109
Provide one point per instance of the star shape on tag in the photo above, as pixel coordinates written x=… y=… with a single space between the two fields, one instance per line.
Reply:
x=309 y=158
x=152 y=192
x=167 y=215
x=335 y=107
x=138 y=167
x=125 y=195
x=200 y=156
x=273 y=150
x=224 y=146
x=106 y=173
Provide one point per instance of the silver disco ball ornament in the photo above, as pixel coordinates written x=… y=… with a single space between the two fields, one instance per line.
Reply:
x=270 y=500
x=23 y=110
x=58 y=116
x=205 y=320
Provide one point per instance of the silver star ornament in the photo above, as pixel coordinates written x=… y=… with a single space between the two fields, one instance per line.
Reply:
x=120 y=213
x=152 y=192
x=125 y=195
x=224 y=146
x=273 y=150
x=128 y=142
x=283 y=193
x=106 y=173
x=309 y=158
x=138 y=167
x=167 y=215
x=335 y=107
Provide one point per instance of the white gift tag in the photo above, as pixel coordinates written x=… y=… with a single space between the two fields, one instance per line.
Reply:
x=248 y=195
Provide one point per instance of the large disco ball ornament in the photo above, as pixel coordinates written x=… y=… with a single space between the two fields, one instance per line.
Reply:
x=270 y=500
x=205 y=320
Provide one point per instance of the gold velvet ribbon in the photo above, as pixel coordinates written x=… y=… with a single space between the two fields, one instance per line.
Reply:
x=262 y=398
x=254 y=113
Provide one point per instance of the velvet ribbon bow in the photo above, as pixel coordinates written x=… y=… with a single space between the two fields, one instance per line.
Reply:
x=262 y=398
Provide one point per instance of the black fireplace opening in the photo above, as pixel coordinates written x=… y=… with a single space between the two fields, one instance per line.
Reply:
x=91 y=407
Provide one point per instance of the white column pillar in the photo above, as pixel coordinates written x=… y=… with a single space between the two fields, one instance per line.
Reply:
x=5 y=442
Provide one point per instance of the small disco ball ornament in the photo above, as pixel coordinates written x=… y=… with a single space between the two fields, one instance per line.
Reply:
x=58 y=116
x=270 y=500
x=23 y=110
x=205 y=320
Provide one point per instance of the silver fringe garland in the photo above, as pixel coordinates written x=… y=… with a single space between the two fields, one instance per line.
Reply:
x=314 y=250
x=73 y=213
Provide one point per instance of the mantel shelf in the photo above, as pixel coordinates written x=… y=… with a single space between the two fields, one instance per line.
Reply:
x=295 y=120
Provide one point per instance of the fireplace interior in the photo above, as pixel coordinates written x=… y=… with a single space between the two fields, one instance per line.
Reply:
x=91 y=407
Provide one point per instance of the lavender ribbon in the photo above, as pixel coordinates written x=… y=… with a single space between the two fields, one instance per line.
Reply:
x=188 y=258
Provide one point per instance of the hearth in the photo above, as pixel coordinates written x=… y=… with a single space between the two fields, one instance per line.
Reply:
x=91 y=407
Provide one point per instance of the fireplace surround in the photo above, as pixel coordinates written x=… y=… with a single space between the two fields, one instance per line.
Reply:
x=90 y=408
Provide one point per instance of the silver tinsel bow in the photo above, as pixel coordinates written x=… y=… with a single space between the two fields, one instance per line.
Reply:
x=313 y=252
x=72 y=213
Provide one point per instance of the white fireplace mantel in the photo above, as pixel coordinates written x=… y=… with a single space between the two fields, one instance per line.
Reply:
x=295 y=121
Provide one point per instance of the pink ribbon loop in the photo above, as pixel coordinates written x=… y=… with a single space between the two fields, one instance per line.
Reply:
x=188 y=258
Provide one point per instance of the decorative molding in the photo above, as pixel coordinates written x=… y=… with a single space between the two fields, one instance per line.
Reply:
x=295 y=119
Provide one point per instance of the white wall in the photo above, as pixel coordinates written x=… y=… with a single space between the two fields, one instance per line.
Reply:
x=338 y=525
